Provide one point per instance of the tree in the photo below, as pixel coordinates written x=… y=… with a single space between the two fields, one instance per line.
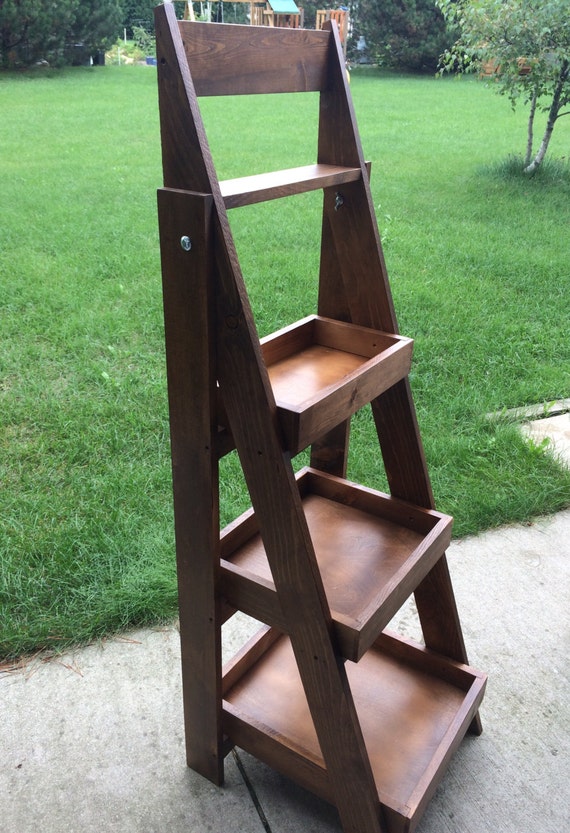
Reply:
x=403 y=33
x=525 y=46
x=96 y=24
x=138 y=13
x=32 y=31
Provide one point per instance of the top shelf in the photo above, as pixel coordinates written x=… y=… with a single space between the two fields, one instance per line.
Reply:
x=248 y=190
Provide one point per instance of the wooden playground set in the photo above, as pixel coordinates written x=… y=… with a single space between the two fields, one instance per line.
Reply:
x=285 y=14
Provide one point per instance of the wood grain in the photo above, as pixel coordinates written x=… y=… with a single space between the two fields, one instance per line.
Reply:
x=226 y=59
x=324 y=560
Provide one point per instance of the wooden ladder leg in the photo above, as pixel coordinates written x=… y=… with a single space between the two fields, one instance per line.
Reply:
x=340 y=737
x=330 y=452
x=283 y=527
x=186 y=241
x=394 y=411
x=406 y=468
x=441 y=627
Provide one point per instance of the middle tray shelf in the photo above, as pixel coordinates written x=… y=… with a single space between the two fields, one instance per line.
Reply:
x=322 y=371
x=372 y=551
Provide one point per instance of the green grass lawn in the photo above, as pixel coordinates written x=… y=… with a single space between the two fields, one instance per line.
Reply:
x=479 y=262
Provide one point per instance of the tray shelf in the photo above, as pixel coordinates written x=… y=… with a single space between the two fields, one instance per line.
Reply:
x=323 y=371
x=372 y=551
x=414 y=708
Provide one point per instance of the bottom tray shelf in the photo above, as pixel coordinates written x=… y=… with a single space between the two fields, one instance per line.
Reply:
x=414 y=708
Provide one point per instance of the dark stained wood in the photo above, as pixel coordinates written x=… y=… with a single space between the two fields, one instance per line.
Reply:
x=262 y=187
x=189 y=340
x=252 y=414
x=247 y=395
x=329 y=453
x=414 y=707
x=406 y=469
x=186 y=159
x=401 y=445
x=237 y=60
x=363 y=296
x=323 y=371
x=362 y=279
x=314 y=542
x=252 y=593
x=371 y=551
x=248 y=656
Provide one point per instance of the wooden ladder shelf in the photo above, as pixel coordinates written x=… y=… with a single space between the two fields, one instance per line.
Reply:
x=322 y=693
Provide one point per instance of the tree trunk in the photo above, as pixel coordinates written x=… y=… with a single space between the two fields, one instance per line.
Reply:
x=530 y=135
x=552 y=116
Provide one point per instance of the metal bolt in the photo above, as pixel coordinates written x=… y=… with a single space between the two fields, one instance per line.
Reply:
x=186 y=243
x=338 y=200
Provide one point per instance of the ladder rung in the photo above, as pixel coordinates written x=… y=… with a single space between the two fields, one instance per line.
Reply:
x=251 y=189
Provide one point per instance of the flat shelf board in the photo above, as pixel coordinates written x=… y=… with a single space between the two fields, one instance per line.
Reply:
x=372 y=550
x=322 y=371
x=414 y=708
x=248 y=190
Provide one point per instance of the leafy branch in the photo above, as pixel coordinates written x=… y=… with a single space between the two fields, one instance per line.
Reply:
x=524 y=45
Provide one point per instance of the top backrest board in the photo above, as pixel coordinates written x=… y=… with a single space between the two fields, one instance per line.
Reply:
x=230 y=59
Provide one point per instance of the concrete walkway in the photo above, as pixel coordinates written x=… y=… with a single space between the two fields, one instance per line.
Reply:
x=93 y=741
